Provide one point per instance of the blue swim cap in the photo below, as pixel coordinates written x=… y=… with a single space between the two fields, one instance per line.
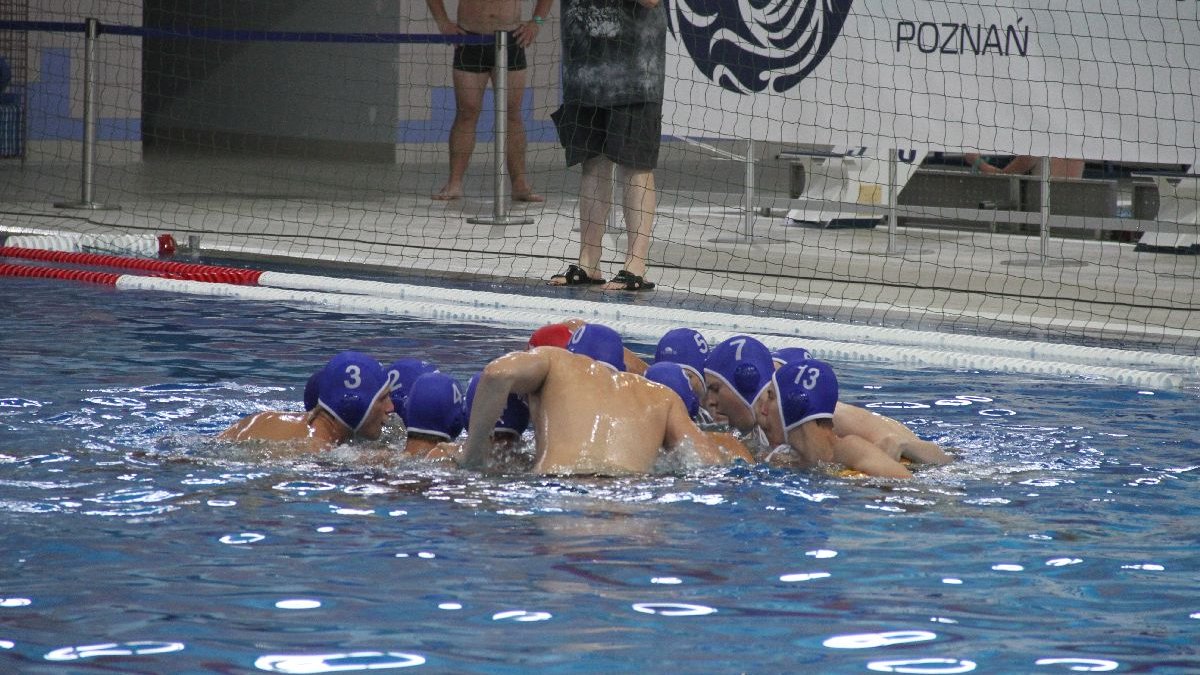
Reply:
x=348 y=385
x=790 y=354
x=684 y=346
x=435 y=406
x=599 y=342
x=514 y=419
x=805 y=390
x=310 y=391
x=742 y=364
x=402 y=373
x=672 y=375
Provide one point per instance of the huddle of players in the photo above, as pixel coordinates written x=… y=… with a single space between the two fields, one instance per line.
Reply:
x=782 y=408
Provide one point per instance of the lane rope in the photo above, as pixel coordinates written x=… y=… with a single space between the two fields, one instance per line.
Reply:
x=836 y=342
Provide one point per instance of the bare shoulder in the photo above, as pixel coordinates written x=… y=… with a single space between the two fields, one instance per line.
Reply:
x=852 y=419
x=268 y=426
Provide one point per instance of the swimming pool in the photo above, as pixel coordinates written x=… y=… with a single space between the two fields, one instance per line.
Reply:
x=1064 y=540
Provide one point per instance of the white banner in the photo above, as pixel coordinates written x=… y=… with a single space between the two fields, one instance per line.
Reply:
x=1093 y=79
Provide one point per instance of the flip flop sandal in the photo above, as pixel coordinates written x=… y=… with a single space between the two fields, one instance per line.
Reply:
x=631 y=282
x=575 y=276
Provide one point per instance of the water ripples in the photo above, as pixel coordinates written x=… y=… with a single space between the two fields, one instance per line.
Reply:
x=139 y=648
x=1048 y=529
x=342 y=663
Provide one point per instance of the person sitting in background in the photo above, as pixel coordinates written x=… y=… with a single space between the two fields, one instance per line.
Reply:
x=589 y=415
x=352 y=401
x=1060 y=167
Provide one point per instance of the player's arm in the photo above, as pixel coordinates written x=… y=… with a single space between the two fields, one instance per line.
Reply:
x=924 y=452
x=447 y=450
x=445 y=25
x=518 y=372
x=857 y=453
x=682 y=432
x=730 y=446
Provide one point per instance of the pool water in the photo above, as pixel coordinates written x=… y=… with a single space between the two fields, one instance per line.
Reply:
x=1064 y=539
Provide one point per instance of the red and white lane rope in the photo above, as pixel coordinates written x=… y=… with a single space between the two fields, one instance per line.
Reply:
x=836 y=342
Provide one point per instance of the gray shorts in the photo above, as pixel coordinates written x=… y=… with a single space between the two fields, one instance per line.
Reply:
x=629 y=135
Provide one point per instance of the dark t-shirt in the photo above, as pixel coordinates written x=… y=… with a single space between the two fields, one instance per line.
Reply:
x=614 y=52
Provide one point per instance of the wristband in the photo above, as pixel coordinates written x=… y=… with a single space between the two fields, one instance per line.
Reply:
x=978 y=163
x=538 y=20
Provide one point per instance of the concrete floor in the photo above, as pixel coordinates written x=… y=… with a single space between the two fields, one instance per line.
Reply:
x=706 y=251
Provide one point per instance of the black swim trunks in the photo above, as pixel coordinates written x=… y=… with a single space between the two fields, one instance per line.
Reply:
x=629 y=135
x=482 y=58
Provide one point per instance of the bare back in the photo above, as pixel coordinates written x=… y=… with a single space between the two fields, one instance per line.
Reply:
x=589 y=419
x=489 y=16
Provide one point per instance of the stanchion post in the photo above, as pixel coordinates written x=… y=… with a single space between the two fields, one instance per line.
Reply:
x=500 y=97
x=91 y=33
x=893 y=170
x=1045 y=210
x=748 y=207
x=745 y=234
x=616 y=200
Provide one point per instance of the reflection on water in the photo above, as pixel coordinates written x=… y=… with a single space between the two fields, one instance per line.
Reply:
x=329 y=663
x=140 y=648
x=134 y=542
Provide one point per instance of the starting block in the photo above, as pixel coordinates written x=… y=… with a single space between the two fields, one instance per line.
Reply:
x=1178 y=204
x=847 y=187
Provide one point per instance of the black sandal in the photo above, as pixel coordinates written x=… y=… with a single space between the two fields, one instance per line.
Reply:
x=631 y=282
x=575 y=276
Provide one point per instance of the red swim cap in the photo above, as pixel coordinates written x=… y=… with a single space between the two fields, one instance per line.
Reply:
x=554 y=335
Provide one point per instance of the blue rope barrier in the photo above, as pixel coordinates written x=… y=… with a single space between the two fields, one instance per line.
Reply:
x=250 y=35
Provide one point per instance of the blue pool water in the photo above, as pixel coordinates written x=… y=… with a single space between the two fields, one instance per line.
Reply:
x=1063 y=540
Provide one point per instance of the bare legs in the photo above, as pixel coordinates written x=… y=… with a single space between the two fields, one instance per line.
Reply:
x=468 y=103
x=595 y=199
x=639 y=205
x=514 y=146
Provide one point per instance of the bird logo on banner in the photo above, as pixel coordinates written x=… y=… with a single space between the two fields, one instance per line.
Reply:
x=748 y=46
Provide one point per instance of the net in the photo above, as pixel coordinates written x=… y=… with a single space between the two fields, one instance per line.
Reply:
x=815 y=160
